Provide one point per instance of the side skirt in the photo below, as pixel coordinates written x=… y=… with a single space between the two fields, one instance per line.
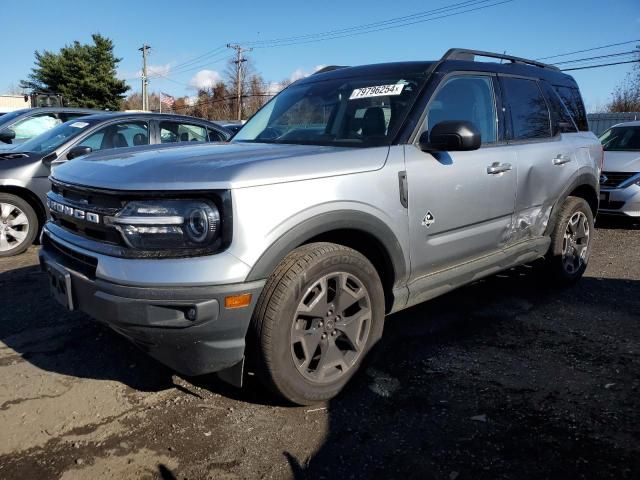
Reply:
x=438 y=283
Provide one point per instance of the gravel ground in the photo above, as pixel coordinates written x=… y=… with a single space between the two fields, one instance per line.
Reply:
x=506 y=378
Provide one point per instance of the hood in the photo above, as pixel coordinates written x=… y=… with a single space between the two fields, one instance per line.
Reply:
x=216 y=166
x=621 y=161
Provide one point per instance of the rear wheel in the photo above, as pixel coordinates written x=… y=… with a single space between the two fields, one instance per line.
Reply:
x=18 y=225
x=321 y=311
x=568 y=255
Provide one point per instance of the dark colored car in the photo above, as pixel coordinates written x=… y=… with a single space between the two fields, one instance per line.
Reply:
x=233 y=127
x=21 y=125
x=25 y=169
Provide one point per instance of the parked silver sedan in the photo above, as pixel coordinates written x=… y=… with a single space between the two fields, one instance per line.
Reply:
x=620 y=179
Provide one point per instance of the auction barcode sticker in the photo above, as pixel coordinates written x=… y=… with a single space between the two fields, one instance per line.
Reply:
x=79 y=124
x=377 y=91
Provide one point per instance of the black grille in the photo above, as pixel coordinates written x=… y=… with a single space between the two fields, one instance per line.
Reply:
x=613 y=179
x=77 y=261
x=102 y=204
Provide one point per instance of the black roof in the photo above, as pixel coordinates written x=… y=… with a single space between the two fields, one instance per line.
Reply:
x=454 y=60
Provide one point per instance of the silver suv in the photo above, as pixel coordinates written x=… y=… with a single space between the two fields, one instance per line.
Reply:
x=354 y=193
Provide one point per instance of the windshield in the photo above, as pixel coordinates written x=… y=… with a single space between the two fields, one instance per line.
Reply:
x=621 y=139
x=52 y=139
x=351 y=112
x=8 y=117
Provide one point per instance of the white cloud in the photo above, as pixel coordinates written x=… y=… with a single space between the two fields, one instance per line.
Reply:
x=158 y=70
x=205 y=79
x=299 y=73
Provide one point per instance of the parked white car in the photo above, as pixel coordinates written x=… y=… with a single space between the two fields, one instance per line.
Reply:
x=620 y=178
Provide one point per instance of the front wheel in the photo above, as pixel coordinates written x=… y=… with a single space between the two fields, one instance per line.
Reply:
x=320 y=312
x=18 y=225
x=571 y=238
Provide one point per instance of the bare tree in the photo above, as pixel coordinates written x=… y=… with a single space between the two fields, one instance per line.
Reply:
x=626 y=96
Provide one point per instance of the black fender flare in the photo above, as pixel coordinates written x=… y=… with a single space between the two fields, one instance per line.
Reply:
x=583 y=179
x=327 y=222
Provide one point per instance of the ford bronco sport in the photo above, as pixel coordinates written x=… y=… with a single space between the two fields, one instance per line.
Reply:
x=354 y=193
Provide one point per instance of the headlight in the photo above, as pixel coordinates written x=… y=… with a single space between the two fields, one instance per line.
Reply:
x=168 y=224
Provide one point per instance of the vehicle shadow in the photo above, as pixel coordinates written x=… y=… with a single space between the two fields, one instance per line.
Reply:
x=616 y=222
x=36 y=329
x=489 y=380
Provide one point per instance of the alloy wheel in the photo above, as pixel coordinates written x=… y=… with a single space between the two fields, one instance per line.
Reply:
x=331 y=327
x=575 y=243
x=14 y=226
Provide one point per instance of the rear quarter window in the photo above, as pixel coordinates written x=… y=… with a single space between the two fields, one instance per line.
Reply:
x=573 y=100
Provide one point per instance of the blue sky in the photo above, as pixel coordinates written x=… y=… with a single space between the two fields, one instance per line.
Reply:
x=180 y=31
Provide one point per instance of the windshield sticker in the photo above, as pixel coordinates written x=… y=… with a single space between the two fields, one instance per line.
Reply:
x=79 y=124
x=377 y=91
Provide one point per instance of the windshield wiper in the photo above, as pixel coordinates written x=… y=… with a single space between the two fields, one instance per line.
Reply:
x=12 y=156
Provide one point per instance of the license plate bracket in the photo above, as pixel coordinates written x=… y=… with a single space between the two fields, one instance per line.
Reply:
x=60 y=285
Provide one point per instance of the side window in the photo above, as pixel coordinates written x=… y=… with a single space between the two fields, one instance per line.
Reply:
x=561 y=121
x=572 y=99
x=119 y=135
x=215 y=136
x=33 y=126
x=468 y=98
x=181 y=132
x=528 y=108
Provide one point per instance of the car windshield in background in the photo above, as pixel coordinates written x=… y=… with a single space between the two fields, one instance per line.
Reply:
x=8 y=117
x=621 y=139
x=347 y=112
x=52 y=139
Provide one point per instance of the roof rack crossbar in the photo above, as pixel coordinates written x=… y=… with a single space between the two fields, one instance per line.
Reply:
x=465 y=54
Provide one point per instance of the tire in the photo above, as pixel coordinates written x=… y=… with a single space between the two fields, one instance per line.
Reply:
x=571 y=237
x=319 y=314
x=18 y=225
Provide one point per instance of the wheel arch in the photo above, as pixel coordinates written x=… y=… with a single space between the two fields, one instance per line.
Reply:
x=584 y=186
x=358 y=230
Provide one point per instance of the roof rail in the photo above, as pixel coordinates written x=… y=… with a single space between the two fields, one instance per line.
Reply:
x=469 y=55
x=329 y=68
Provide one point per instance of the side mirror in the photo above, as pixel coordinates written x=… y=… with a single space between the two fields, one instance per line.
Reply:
x=7 y=135
x=78 y=151
x=454 y=135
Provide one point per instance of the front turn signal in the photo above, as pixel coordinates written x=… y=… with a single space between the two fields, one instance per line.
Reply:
x=237 y=301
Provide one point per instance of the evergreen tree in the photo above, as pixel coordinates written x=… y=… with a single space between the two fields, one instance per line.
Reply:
x=84 y=74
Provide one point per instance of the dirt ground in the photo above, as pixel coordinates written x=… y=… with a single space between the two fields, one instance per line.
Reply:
x=506 y=378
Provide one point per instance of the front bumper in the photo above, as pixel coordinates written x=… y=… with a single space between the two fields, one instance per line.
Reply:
x=620 y=201
x=186 y=328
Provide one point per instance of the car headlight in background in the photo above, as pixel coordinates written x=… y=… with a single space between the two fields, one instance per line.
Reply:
x=168 y=224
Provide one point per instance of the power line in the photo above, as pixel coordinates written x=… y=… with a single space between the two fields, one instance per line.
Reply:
x=620 y=54
x=373 y=30
x=199 y=57
x=396 y=22
x=368 y=25
x=599 y=66
x=588 y=50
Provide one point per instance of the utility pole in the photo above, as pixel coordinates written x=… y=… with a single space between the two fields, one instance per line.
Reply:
x=239 y=71
x=145 y=80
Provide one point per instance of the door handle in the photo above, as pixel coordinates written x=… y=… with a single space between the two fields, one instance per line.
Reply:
x=561 y=159
x=497 y=167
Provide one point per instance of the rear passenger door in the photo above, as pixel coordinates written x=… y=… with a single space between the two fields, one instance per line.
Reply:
x=545 y=157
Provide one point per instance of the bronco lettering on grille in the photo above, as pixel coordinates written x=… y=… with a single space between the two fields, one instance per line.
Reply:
x=58 y=207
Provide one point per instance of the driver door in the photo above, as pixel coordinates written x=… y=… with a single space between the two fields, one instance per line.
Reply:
x=460 y=208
